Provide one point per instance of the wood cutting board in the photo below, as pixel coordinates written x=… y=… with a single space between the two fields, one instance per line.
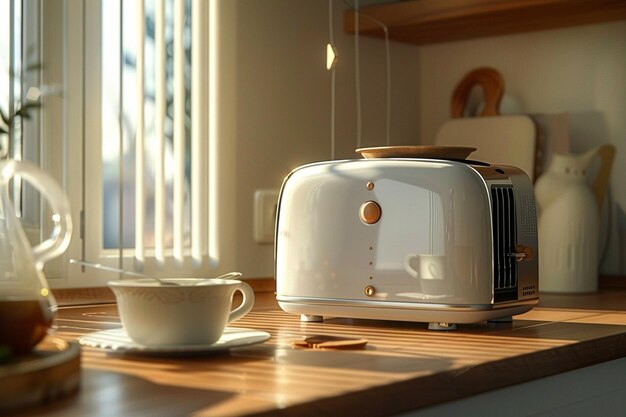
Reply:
x=503 y=140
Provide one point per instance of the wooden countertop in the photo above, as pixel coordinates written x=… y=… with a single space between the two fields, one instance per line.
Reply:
x=403 y=367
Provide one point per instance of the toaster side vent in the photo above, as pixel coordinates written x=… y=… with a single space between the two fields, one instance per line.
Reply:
x=529 y=290
x=528 y=216
x=504 y=237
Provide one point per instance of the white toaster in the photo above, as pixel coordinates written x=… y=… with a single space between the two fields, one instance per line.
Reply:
x=423 y=240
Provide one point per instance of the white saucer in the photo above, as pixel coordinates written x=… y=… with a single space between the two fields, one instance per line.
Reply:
x=116 y=340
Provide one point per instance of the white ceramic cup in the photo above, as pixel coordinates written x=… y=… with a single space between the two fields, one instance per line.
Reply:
x=430 y=270
x=195 y=312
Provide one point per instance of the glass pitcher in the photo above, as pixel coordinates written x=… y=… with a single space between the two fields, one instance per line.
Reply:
x=27 y=306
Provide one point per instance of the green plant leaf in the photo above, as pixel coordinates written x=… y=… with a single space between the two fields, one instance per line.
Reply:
x=31 y=105
x=4 y=118
x=34 y=66
x=23 y=112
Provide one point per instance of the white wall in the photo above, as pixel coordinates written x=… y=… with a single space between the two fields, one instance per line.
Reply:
x=275 y=106
x=275 y=100
x=580 y=70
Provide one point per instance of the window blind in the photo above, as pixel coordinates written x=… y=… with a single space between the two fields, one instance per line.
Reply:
x=181 y=199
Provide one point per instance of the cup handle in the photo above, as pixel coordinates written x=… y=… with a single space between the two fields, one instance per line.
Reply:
x=408 y=268
x=246 y=304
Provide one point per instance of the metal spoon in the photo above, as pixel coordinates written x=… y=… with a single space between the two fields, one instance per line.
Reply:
x=138 y=274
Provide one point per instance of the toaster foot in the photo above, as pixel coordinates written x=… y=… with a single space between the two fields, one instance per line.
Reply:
x=441 y=326
x=311 y=317
x=507 y=319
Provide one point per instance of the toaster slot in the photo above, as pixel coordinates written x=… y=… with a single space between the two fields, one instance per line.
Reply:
x=504 y=237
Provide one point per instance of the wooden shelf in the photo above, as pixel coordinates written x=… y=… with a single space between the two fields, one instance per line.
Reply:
x=423 y=22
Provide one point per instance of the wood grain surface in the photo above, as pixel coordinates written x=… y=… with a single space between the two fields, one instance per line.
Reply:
x=403 y=367
x=421 y=22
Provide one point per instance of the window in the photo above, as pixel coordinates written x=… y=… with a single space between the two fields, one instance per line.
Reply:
x=20 y=91
x=139 y=148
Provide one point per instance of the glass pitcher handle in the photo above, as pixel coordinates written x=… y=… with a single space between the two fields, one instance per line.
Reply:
x=61 y=234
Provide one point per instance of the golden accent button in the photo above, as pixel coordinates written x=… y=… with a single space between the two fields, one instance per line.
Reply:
x=369 y=290
x=370 y=212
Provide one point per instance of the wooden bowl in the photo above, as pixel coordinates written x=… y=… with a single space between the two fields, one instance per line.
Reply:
x=418 y=151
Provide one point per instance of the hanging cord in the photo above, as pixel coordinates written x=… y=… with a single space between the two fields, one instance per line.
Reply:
x=120 y=229
x=388 y=64
x=357 y=73
x=332 y=115
x=332 y=83
x=385 y=29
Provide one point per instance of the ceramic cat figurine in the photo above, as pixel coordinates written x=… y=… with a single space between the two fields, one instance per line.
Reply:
x=569 y=221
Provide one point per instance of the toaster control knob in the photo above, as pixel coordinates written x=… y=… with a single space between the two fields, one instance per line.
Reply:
x=370 y=212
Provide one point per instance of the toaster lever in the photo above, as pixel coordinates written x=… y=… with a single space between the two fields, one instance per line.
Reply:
x=522 y=252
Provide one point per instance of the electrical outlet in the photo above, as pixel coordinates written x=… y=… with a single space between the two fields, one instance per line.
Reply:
x=265 y=206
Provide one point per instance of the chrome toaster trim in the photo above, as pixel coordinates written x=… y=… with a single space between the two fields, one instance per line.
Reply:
x=405 y=305
x=417 y=314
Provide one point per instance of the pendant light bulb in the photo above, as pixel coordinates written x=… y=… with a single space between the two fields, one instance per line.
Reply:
x=331 y=57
